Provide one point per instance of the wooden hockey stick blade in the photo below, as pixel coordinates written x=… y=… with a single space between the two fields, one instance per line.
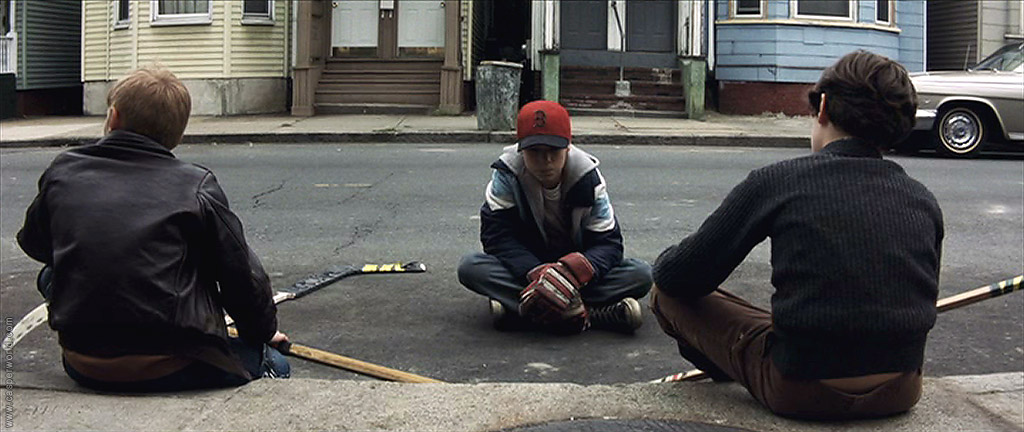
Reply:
x=346 y=363
x=949 y=303
x=33 y=319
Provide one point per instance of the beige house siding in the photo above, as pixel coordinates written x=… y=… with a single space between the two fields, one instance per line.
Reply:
x=190 y=51
x=260 y=50
x=220 y=49
x=1016 y=19
x=120 y=45
x=95 y=36
x=993 y=24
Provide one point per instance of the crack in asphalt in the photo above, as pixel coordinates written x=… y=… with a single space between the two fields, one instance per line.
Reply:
x=363 y=191
x=256 y=198
x=361 y=231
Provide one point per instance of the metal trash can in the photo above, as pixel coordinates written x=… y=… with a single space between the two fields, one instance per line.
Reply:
x=497 y=95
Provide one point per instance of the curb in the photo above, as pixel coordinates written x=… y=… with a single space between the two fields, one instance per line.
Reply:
x=461 y=137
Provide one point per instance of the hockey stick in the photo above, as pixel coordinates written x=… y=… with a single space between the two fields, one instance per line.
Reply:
x=37 y=316
x=315 y=282
x=349 y=364
x=949 y=303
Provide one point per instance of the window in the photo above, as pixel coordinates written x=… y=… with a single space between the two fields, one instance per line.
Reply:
x=258 y=12
x=883 y=11
x=122 y=13
x=825 y=9
x=747 y=8
x=171 y=12
x=6 y=18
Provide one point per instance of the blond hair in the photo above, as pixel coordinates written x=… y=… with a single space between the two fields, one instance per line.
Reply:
x=151 y=101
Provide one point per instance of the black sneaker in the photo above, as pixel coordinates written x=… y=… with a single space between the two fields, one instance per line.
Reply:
x=623 y=316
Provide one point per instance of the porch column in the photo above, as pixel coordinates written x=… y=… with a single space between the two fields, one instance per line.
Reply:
x=546 y=38
x=309 y=58
x=550 y=65
x=451 y=70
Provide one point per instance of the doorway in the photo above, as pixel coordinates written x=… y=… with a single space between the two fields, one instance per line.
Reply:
x=503 y=27
x=651 y=26
x=388 y=29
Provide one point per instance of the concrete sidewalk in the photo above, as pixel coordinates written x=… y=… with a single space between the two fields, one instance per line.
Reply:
x=716 y=130
x=965 y=403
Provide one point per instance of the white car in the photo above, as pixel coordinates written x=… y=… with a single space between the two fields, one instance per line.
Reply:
x=962 y=110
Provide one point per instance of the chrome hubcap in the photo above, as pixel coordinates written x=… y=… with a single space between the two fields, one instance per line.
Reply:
x=961 y=131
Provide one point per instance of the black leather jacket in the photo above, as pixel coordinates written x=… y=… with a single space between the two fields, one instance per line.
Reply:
x=146 y=255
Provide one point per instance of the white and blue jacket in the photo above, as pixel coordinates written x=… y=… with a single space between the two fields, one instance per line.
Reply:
x=511 y=219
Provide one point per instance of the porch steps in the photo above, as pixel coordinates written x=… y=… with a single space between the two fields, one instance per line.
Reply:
x=379 y=86
x=654 y=91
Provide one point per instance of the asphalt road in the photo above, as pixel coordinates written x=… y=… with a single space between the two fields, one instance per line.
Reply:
x=308 y=208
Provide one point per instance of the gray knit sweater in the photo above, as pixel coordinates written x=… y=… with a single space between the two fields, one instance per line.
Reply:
x=855 y=257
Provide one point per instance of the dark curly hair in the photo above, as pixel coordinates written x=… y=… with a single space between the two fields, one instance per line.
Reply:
x=869 y=97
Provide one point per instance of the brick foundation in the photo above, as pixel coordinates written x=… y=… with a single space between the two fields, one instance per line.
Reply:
x=752 y=98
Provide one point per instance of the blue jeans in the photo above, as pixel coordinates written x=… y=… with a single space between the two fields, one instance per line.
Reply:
x=259 y=361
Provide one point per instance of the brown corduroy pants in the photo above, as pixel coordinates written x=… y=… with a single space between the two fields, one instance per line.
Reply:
x=723 y=334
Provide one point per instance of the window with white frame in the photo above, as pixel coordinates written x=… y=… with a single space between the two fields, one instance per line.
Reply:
x=824 y=9
x=169 y=12
x=258 y=12
x=747 y=8
x=122 y=13
x=884 y=10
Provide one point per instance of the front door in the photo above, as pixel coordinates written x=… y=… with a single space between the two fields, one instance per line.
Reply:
x=387 y=29
x=584 y=24
x=651 y=25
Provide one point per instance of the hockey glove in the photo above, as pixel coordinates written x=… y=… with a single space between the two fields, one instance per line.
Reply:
x=553 y=299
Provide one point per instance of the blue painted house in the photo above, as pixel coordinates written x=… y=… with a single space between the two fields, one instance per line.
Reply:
x=765 y=54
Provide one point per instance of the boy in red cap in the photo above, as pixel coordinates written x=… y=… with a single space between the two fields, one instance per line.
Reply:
x=552 y=246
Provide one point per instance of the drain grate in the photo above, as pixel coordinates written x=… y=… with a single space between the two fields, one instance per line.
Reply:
x=624 y=425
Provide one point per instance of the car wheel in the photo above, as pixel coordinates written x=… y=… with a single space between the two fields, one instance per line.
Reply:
x=961 y=132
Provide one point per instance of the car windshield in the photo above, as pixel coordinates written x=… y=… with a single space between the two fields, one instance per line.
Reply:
x=1007 y=58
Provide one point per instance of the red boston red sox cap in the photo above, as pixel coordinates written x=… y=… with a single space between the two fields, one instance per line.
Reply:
x=543 y=123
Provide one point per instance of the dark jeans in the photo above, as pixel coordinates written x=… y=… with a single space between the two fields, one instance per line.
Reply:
x=726 y=336
x=259 y=361
x=486 y=275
